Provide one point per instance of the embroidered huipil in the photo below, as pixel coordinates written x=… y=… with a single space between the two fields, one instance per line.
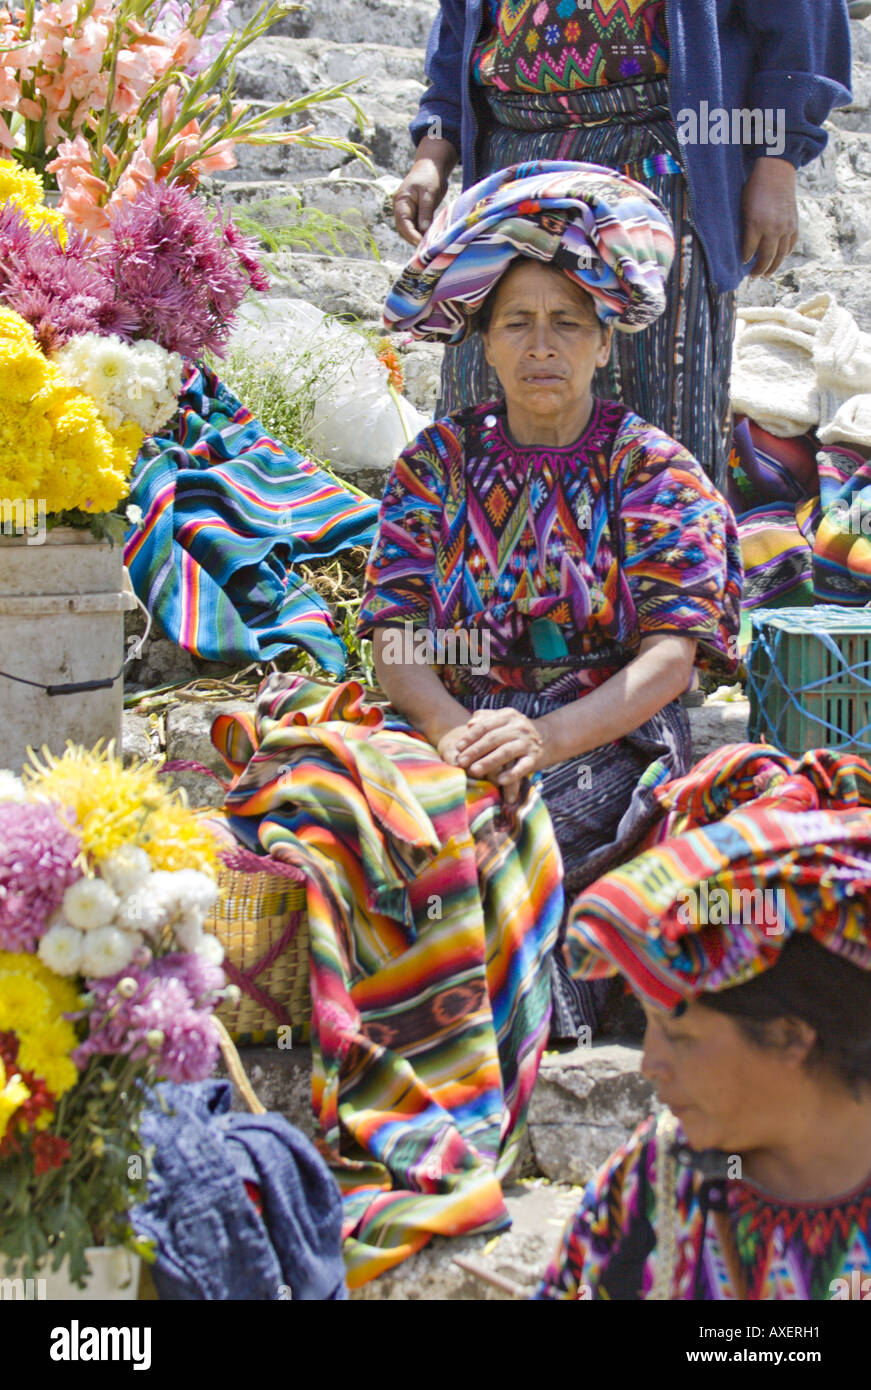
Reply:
x=559 y=560
x=785 y=1250
x=564 y=45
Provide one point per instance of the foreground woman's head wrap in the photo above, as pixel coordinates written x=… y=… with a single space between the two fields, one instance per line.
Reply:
x=713 y=907
x=608 y=233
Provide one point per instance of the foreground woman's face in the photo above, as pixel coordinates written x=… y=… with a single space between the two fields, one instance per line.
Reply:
x=726 y=1092
x=544 y=341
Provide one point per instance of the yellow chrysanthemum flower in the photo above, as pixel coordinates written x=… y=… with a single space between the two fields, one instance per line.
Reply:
x=33 y=1001
x=55 y=1068
x=114 y=805
x=22 y=185
x=24 y=189
x=63 y=994
x=24 y=1002
x=54 y=389
x=22 y=370
x=13 y=326
x=177 y=840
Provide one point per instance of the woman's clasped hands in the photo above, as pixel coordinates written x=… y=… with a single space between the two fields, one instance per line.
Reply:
x=499 y=745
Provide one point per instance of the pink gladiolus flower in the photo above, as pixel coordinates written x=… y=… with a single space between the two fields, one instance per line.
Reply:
x=139 y=172
x=220 y=156
x=30 y=110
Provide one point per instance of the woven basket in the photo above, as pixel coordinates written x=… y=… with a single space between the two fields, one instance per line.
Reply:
x=260 y=921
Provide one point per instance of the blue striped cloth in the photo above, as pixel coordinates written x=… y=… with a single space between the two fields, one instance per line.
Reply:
x=226 y=513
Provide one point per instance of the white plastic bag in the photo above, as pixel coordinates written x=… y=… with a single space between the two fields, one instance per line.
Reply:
x=352 y=420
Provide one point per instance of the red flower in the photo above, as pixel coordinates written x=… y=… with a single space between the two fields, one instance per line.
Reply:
x=8 y=1050
x=49 y=1151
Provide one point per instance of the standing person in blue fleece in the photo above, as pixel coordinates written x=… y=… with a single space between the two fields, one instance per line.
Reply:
x=712 y=104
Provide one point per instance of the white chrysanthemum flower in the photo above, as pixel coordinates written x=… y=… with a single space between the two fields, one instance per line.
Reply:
x=126 y=870
x=89 y=904
x=106 y=951
x=188 y=929
x=211 y=950
x=138 y=382
x=186 y=894
x=61 y=949
x=11 y=787
x=142 y=911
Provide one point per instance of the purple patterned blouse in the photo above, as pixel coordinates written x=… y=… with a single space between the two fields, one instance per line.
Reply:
x=554 y=562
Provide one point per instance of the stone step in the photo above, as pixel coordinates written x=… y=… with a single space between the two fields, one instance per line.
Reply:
x=585 y=1104
x=406 y=22
x=388 y=82
x=539 y=1211
x=351 y=286
x=362 y=204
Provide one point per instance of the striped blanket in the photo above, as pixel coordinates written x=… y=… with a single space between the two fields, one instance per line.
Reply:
x=432 y=910
x=804 y=519
x=226 y=512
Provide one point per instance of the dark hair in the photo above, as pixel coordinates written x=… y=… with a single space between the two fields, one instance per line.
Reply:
x=825 y=991
x=482 y=319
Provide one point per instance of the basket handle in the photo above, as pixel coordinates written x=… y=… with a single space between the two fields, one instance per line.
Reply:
x=233 y=1063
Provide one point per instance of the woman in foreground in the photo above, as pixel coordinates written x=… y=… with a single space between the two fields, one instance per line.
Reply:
x=581 y=554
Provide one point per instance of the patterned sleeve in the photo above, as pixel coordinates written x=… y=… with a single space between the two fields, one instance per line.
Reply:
x=681 y=554
x=400 y=567
x=604 y=1226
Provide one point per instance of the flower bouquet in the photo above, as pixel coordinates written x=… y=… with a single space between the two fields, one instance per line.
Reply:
x=108 y=95
x=93 y=335
x=107 y=984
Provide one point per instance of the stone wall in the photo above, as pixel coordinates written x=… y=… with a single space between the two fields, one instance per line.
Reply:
x=379 y=44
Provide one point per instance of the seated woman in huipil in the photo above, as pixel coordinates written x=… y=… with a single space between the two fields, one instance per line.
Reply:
x=581 y=554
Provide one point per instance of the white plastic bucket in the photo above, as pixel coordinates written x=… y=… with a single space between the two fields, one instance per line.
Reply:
x=62 y=605
x=114 y=1276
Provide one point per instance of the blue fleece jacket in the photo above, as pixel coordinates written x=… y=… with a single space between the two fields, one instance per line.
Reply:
x=787 y=55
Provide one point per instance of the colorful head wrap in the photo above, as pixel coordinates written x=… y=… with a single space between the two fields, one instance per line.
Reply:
x=713 y=906
x=608 y=233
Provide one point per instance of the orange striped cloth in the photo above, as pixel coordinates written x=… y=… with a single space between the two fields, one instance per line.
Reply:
x=432 y=910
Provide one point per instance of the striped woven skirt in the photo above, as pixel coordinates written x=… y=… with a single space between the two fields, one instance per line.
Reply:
x=676 y=372
x=600 y=804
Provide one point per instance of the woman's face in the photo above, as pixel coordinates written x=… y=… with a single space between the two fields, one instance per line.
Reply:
x=544 y=342
x=727 y=1092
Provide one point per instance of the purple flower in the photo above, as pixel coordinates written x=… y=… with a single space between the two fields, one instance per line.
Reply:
x=15 y=237
x=62 y=291
x=191 y=1048
x=167 y=1019
x=37 y=865
x=202 y=981
x=182 y=273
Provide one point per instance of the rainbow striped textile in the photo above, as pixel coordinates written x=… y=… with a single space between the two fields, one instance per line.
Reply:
x=746 y=820
x=226 y=512
x=432 y=909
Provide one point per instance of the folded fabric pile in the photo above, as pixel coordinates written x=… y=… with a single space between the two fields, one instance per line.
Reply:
x=226 y=513
x=797 y=369
x=239 y=1206
x=801 y=379
x=432 y=908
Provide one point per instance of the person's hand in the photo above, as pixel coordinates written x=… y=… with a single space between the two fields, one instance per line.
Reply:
x=423 y=188
x=501 y=746
x=770 y=214
x=447 y=746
